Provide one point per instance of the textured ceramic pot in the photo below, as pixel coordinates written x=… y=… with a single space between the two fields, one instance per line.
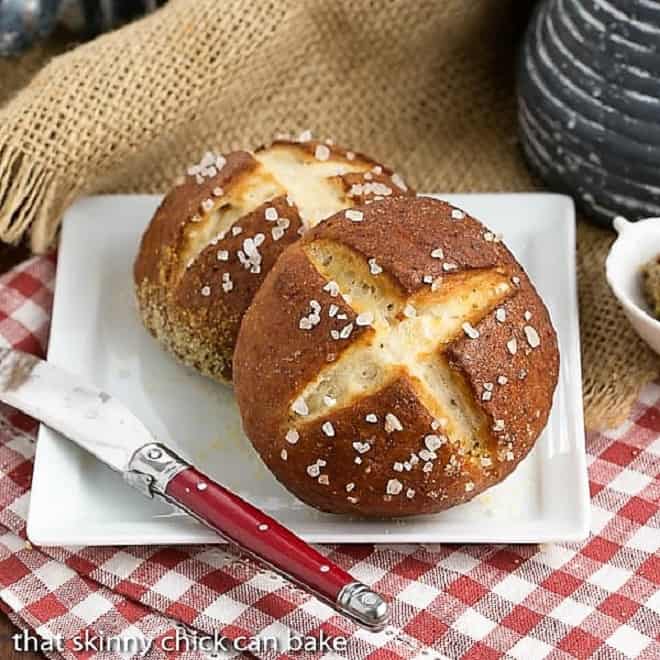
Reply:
x=589 y=103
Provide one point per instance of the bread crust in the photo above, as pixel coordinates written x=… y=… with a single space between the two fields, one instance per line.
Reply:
x=182 y=297
x=512 y=391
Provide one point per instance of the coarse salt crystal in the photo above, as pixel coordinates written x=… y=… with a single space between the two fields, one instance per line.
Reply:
x=345 y=332
x=227 y=284
x=427 y=455
x=332 y=288
x=374 y=268
x=299 y=407
x=457 y=214
x=361 y=447
x=321 y=152
x=438 y=253
x=500 y=314
x=471 y=332
x=271 y=214
x=394 y=487
x=292 y=436
x=532 y=336
x=353 y=215
x=433 y=442
x=328 y=429
x=512 y=346
x=392 y=423
x=371 y=418
x=438 y=424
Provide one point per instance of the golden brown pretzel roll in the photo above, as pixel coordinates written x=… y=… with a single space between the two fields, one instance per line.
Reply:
x=214 y=238
x=396 y=361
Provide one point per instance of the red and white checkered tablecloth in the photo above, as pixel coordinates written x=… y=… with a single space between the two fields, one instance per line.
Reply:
x=600 y=598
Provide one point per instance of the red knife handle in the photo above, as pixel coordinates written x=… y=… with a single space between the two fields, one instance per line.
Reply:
x=258 y=534
x=254 y=531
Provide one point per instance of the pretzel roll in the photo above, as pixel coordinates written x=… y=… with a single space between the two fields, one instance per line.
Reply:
x=396 y=361
x=214 y=238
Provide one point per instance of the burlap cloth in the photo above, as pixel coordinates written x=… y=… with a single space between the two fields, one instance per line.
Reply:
x=426 y=86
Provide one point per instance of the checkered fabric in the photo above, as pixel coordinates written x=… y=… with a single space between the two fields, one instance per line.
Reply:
x=598 y=599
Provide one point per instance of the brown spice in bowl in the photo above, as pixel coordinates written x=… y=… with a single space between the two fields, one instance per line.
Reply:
x=651 y=285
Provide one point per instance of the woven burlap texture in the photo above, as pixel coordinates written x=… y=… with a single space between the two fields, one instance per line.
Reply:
x=426 y=86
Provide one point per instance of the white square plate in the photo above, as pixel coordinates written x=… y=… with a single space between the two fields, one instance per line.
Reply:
x=96 y=333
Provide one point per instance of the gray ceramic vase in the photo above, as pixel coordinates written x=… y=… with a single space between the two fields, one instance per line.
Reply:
x=589 y=103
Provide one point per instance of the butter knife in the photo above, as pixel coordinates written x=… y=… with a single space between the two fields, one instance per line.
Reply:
x=106 y=428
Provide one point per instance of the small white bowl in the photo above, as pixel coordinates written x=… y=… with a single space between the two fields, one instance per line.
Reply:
x=637 y=244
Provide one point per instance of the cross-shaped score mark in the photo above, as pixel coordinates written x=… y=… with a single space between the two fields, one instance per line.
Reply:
x=406 y=335
x=312 y=187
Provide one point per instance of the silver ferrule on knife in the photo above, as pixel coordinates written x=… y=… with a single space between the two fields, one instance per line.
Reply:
x=152 y=467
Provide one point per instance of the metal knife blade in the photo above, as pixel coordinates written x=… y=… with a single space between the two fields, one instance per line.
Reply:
x=97 y=422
